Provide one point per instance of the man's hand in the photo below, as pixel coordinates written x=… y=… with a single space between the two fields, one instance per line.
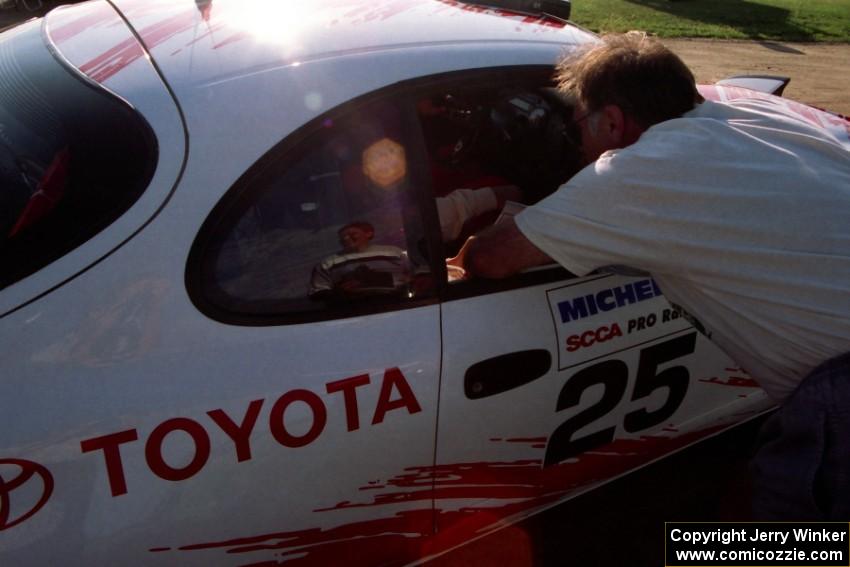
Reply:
x=498 y=252
x=455 y=266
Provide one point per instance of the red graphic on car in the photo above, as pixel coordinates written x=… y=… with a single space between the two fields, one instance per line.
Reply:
x=25 y=487
x=495 y=491
x=734 y=377
x=218 y=22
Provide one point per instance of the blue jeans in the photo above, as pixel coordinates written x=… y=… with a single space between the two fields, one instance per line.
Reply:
x=801 y=469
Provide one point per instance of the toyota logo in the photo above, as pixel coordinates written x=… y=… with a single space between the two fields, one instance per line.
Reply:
x=25 y=487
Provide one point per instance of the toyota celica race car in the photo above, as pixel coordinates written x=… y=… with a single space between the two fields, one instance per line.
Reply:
x=228 y=332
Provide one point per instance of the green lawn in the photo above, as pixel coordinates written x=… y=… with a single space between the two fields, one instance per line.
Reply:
x=779 y=20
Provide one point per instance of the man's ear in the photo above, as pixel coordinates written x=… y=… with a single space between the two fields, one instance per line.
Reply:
x=619 y=128
x=611 y=125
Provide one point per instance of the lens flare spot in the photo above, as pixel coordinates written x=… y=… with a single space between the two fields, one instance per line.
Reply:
x=384 y=162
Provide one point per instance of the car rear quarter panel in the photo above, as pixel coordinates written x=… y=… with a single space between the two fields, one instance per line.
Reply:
x=134 y=80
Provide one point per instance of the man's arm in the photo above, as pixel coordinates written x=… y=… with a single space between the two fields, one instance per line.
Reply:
x=498 y=252
x=320 y=281
x=461 y=205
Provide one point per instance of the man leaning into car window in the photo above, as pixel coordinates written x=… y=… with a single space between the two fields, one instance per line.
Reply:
x=739 y=211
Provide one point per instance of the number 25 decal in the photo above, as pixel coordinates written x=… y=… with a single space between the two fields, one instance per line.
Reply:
x=614 y=376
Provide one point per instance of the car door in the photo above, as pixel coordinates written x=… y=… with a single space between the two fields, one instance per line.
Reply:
x=313 y=264
x=546 y=394
x=551 y=384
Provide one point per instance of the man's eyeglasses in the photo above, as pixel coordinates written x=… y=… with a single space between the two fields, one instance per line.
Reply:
x=583 y=117
x=572 y=131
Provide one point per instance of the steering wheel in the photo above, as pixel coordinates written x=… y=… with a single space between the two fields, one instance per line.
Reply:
x=469 y=120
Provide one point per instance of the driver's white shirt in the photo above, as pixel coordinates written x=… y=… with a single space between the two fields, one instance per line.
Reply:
x=383 y=268
x=741 y=212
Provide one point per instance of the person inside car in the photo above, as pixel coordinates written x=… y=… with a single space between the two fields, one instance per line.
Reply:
x=383 y=170
x=361 y=268
x=739 y=211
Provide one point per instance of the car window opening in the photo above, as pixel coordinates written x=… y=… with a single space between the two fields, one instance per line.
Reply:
x=335 y=226
x=488 y=147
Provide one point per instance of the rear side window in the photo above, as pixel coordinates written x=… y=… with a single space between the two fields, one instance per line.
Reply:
x=327 y=228
x=73 y=157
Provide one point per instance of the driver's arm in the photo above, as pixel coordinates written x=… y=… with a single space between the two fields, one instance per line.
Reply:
x=462 y=205
x=498 y=252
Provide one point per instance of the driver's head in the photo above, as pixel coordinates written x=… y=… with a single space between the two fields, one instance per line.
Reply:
x=622 y=86
x=356 y=236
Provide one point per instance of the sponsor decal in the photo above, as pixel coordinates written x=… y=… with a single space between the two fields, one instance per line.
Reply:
x=607 y=299
x=395 y=394
x=591 y=336
x=605 y=315
x=25 y=487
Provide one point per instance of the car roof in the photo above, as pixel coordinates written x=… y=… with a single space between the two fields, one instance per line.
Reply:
x=208 y=40
x=246 y=74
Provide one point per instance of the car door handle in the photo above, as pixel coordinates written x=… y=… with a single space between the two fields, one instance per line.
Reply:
x=505 y=372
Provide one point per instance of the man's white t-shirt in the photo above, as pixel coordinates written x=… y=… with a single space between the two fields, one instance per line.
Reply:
x=741 y=213
x=461 y=205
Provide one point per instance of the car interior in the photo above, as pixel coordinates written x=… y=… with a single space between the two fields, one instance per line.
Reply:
x=484 y=137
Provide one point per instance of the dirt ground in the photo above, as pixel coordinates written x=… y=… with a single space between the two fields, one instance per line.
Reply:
x=820 y=73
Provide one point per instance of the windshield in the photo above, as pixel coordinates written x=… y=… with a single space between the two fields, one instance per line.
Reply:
x=73 y=157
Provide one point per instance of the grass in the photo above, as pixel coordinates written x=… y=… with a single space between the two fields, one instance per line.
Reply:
x=777 y=20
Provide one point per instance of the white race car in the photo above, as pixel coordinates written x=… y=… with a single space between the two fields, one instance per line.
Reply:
x=228 y=334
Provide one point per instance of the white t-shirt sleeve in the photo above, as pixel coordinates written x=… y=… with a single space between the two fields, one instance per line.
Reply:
x=589 y=224
x=461 y=205
x=655 y=206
